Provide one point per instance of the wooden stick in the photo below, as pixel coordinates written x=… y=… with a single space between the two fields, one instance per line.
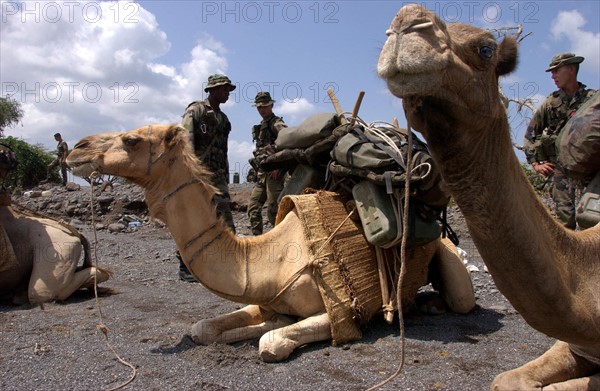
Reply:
x=336 y=106
x=357 y=107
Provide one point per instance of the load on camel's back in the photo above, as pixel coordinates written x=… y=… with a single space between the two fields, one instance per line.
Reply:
x=313 y=277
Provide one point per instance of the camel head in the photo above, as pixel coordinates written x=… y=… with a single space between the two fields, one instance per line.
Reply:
x=143 y=156
x=449 y=70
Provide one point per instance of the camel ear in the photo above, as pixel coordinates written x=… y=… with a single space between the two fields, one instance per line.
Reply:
x=172 y=135
x=508 y=54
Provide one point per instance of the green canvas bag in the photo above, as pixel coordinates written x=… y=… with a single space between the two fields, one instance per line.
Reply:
x=578 y=142
x=311 y=130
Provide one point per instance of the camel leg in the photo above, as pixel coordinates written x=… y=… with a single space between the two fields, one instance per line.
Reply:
x=553 y=370
x=456 y=287
x=54 y=277
x=82 y=279
x=249 y=322
x=278 y=344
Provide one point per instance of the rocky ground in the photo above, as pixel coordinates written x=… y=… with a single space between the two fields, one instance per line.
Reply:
x=150 y=311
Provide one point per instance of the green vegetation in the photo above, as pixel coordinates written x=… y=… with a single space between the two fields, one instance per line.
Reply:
x=10 y=113
x=33 y=164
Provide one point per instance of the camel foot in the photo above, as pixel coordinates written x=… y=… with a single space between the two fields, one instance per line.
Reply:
x=101 y=276
x=557 y=369
x=221 y=329
x=277 y=345
x=272 y=348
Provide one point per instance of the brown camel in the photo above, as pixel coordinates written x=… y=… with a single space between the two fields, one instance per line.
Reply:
x=40 y=257
x=276 y=285
x=447 y=76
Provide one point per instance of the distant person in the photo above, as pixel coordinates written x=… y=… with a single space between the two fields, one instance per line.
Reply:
x=209 y=130
x=545 y=125
x=268 y=184
x=62 y=150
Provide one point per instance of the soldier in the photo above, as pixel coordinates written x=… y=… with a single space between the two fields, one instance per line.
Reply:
x=545 y=125
x=62 y=150
x=268 y=184
x=209 y=130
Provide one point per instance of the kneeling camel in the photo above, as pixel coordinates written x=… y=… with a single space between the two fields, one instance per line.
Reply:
x=277 y=287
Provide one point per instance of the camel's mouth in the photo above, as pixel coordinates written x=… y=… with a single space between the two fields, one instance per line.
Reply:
x=82 y=169
x=415 y=53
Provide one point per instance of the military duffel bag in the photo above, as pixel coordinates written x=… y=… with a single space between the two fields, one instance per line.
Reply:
x=578 y=143
x=311 y=130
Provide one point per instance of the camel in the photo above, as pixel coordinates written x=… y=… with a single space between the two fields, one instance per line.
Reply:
x=40 y=257
x=276 y=284
x=447 y=76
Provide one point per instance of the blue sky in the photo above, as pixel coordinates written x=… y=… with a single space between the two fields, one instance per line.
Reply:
x=85 y=67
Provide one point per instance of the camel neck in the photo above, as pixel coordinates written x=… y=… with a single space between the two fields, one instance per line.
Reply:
x=525 y=249
x=184 y=203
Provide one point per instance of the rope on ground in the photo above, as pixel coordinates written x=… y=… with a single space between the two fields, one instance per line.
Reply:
x=101 y=326
x=402 y=263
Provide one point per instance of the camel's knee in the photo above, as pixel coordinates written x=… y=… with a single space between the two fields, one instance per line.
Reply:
x=513 y=380
x=204 y=332
x=275 y=347
x=102 y=275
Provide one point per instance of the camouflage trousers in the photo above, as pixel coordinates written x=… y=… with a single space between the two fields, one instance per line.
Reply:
x=563 y=194
x=265 y=190
x=63 y=169
x=223 y=202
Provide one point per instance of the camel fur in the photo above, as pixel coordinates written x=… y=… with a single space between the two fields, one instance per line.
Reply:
x=40 y=258
x=277 y=287
x=447 y=76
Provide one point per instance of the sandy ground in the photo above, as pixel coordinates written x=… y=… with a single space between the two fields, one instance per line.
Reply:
x=149 y=315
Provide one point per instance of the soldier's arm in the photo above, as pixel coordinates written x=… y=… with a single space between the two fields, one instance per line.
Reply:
x=192 y=116
x=65 y=151
x=278 y=125
x=533 y=132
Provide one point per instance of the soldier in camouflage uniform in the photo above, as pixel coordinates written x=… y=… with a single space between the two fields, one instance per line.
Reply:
x=209 y=130
x=62 y=150
x=268 y=184
x=545 y=125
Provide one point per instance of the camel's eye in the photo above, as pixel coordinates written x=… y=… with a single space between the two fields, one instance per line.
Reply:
x=486 y=52
x=130 y=141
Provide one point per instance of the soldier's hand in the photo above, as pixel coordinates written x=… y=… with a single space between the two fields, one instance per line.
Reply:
x=546 y=169
x=274 y=175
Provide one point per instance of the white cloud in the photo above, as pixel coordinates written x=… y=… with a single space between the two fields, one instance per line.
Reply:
x=296 y=109
x=239 y=153
x=569 y=25
x=81 y=73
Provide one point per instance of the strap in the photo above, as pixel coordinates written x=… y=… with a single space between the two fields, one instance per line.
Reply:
x=383 y=146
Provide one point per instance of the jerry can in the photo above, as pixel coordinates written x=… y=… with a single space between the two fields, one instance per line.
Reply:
x=376 y=213
x=588 y=209
x=303 y=176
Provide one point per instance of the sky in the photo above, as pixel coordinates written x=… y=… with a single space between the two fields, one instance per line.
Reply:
x=84 y=67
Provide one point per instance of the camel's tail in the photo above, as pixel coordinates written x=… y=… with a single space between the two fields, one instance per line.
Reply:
x=87 y=256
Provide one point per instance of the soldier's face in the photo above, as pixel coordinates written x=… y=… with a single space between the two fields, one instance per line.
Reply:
x=564 y=76
x=265 y=111
x=221 y=93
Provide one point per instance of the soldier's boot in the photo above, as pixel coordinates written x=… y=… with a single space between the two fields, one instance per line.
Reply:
x=184 y=273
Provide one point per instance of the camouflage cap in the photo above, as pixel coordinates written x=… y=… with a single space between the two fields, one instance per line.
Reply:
x=263 y=99
x=218 y=80
x=563 y=59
